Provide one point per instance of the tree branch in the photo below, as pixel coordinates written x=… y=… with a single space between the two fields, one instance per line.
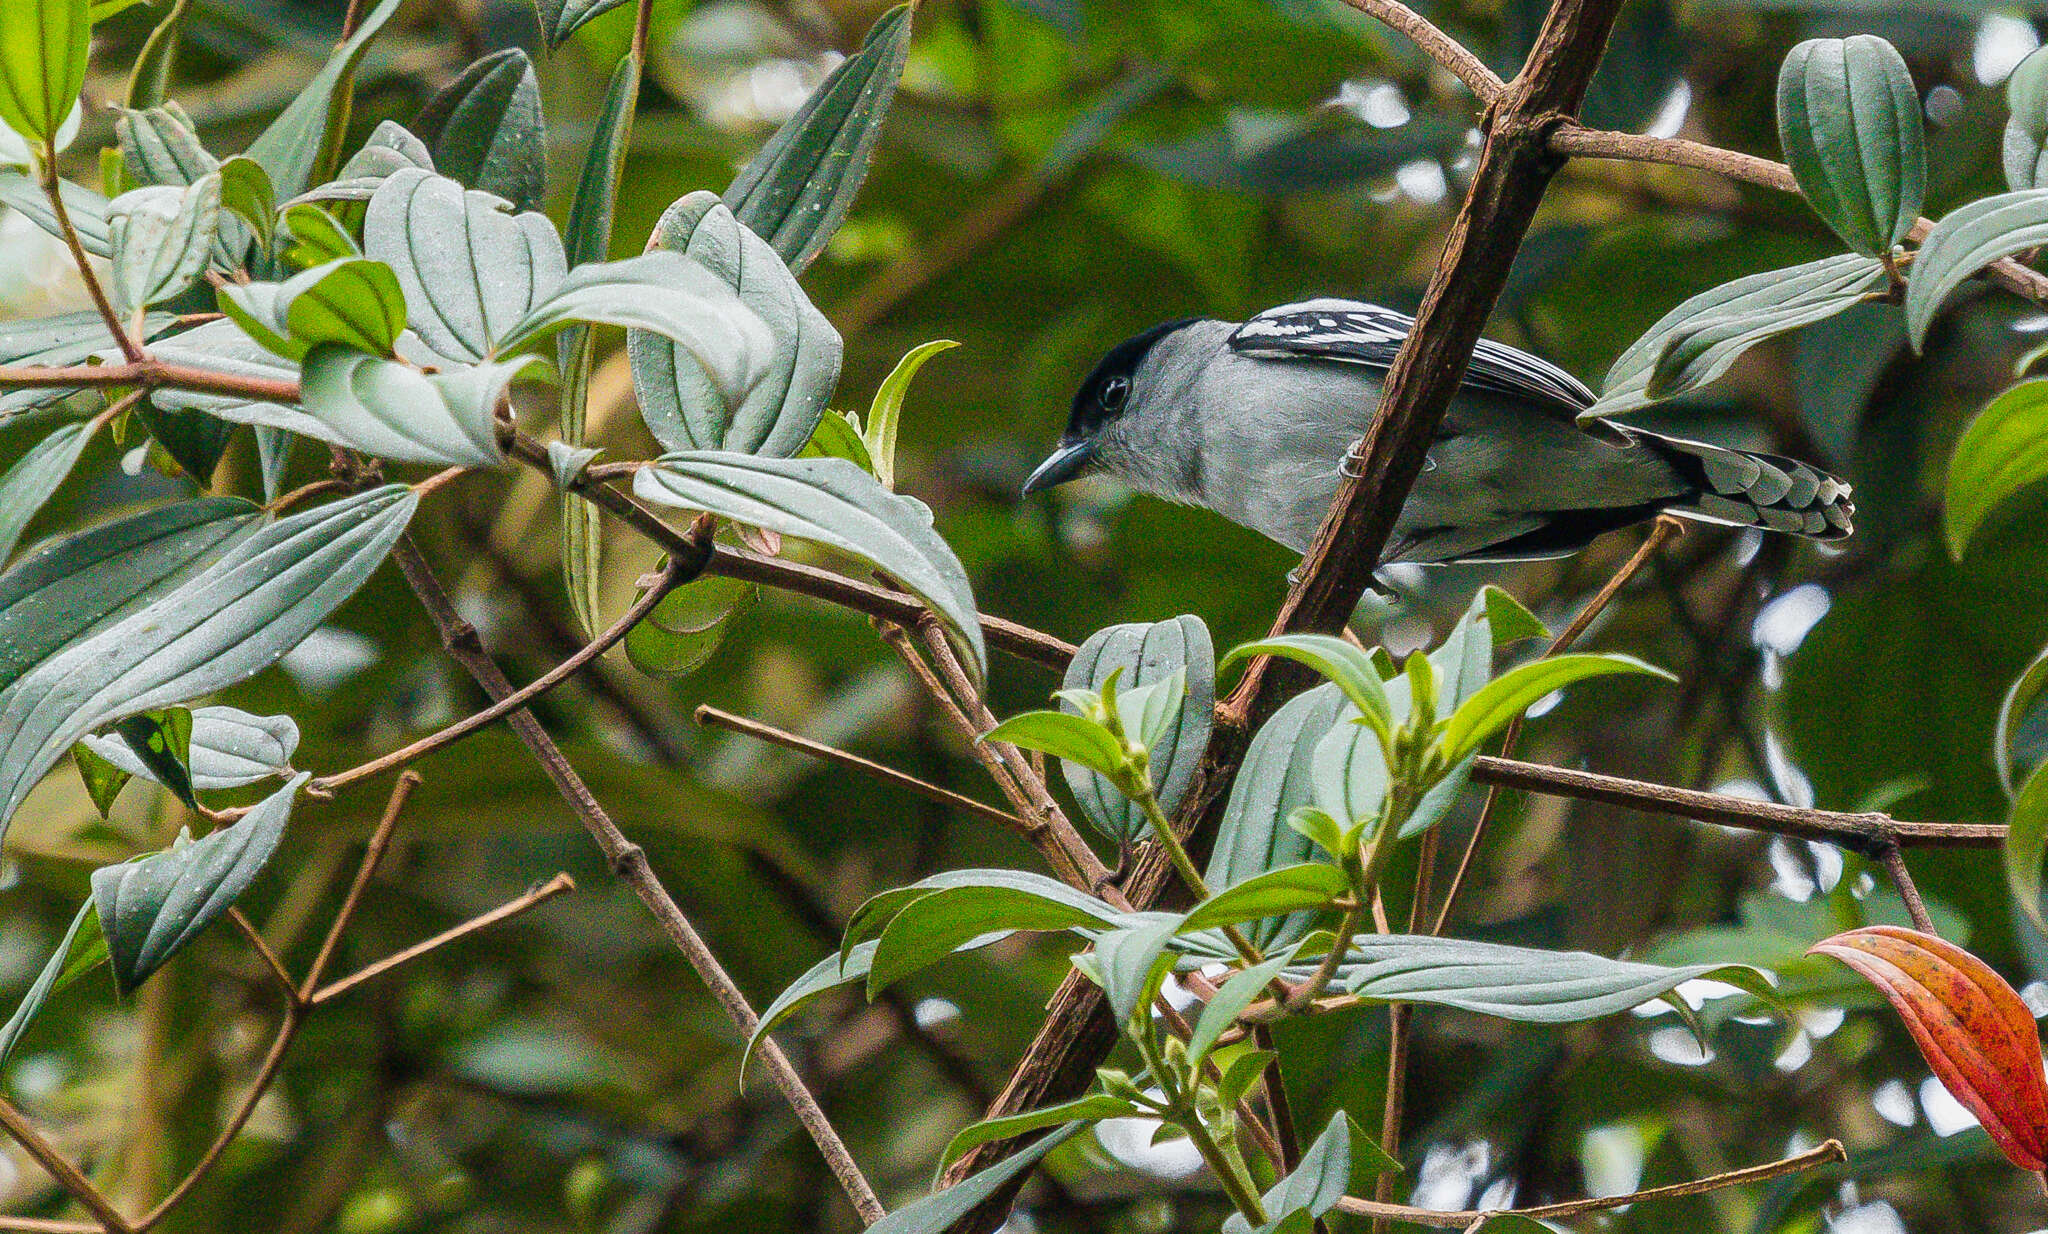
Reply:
x=559 y=885
x=61 y=1169
x=1438 y=46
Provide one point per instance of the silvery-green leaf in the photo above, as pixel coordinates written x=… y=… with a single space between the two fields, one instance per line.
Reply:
x=394 y=411
x=1696 y=342
x=1276 y=777
x=832 y=502
x=160 y=145
x=470 y=269
x=938 y=1212
x=569 y=462
x=671 y=295
x=79 y=938
x=686 y=411
x=2026 y=131
x=232 y=618
x=391 y=148
x=796 y=192
x=162 y=238
x=1350 y=772
x=55 y=342
x=1145 y=654
x=1516 y=983
x=224 y=347
x=73 y=587
x=26 y=485
x=1970 y=238
x=150 y=908
x=560 y=19
x=87 y=209
x=230 y=748
x=1849 y=121
x=291 y=147
x=486 y=129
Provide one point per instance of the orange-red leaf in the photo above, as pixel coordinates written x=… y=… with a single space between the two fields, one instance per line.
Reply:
x=1973 y=1030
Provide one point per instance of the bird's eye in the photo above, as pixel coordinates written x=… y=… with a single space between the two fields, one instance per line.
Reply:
x=1114 y=392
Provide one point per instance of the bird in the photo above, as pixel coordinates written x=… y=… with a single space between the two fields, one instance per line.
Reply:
x=1253 y=420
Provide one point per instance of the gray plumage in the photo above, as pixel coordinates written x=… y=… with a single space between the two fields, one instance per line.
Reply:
x=1252 y=420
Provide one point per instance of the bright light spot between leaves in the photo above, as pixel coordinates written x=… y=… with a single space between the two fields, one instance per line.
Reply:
x=329 y=656
x=932 y=1012
x=2002 y=42
x=1671 y=116
x=1796 y=1055
x=1893 y=1102
x=1679 y=1047
x=1423 y=181
x=1378 y=103
x=1944 y=106
x=1612 y=1159
x=1876 y=1217
x=1944 y=1113
x=1791 y=878
x=1791 y=782
x=1785 y=622
x=1129 y=1140
x=1448 y=1175
x=2035 y=995
x=1822 y=1021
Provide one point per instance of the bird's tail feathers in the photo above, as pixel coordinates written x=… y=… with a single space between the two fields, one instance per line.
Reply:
x=1742 y=488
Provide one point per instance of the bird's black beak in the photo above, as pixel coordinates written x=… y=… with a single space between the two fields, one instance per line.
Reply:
x=1061 y=465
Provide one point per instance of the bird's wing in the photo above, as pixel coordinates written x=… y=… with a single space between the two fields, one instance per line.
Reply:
x=1354 y=332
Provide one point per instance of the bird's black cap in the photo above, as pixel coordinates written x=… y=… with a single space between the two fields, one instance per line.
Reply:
x=1101 y=398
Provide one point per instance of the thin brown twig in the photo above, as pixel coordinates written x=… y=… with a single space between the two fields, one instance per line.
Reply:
x=671 y=576
x=45 y=1225
x=629 y=861
x=373 y=856
x=262 y=949
x=1828 y=1153
x=791 y=741
x=1438 y=46
x=1894 y=859
x=61 y=1169
x=149 y=373
x=266 y=1072
x=559 y=885
x=53 y=188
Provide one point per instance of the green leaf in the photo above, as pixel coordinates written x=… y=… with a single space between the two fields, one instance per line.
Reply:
x=43 y=46
x=2003 y=453
x=317 y=237
x=886 y=411
x=831 y=502
x=1849 y=122
x=150 y=78
x=160 y=146
x=162 y=238
x=229 y=748
x=33 y=478
x=687 y=626
x=1516 y=690
x=1275 y=779
x=2026 y=95
x=1437 y=802
x=935 y=1214
x=775 y=416
x=1312 y=885
x=587 y=239
x=78 y=941
x=1350 y=770
x=1508 y=620
x=879 y=910
x=839 y=437
x=936 y=925
x=1231 y=998
x=394 y=411
x=161 y=741
x=2026 y=841
x=1524 y=984
x=351 y=301
x=1244 y=1069
x=72 y=588
x=469 y=268
x=234 y=617
x=1092 y=1108
x=103 y=780
x=798 y=189
x=1146 y=653
x=1072 y=738
x=1314 y=1186
x=290 y=149
x=560 y=19
x=1321 y=828
x=245 y=190
x=1698 y=341
x=1970 y=238
x=1348 y=667
x=486 y=129
x=2019 y=704
x=87 y=209
x=152 y=907
x=1132 y=961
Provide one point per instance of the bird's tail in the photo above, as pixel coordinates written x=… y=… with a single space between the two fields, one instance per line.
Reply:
x=1744 y=489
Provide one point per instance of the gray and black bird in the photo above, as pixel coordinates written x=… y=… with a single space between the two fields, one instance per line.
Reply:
x=1252 y=420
